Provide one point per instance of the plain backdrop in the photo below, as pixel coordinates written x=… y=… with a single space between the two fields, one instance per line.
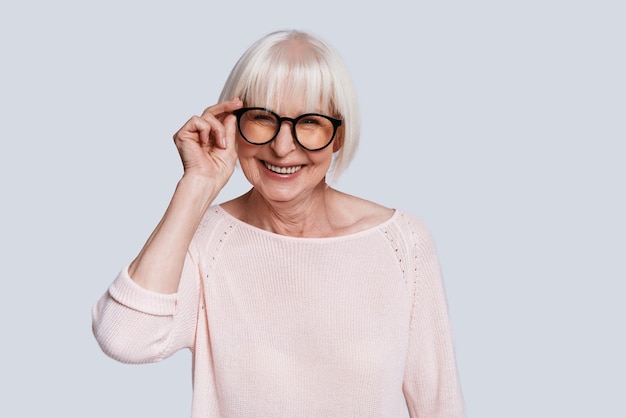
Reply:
x=500 y=123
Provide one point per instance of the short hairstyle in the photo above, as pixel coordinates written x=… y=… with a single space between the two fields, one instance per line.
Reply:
x=291 y=62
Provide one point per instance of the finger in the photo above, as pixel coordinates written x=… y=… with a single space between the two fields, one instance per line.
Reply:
x=222 y=108
x=205 y=130
x=230 y=138
x=210 y=127
x=197 y=129
x=215 y=116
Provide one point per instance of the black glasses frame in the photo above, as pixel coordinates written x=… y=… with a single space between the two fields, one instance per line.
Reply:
x=336 y=124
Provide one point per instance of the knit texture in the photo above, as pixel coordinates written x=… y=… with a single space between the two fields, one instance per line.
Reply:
x=349 y=326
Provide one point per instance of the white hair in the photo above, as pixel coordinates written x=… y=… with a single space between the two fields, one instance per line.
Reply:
x=297 y=64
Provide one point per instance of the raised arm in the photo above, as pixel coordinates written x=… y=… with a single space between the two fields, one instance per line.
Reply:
x=206 y=145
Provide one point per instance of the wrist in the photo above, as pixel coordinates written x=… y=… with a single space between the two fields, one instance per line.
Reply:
x=200 y=190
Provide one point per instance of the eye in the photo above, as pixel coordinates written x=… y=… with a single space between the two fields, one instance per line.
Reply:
x=261 y=117
x=310 y=121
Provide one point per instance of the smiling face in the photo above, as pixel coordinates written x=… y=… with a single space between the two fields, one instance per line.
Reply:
x=283 y=171
x=293 y=64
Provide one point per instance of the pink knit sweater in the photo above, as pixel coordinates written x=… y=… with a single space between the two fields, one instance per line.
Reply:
x=351 y=326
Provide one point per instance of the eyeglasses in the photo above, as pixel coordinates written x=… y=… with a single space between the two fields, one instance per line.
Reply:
x=312 y=131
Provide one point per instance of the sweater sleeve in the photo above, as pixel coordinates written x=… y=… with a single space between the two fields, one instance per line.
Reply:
x=135 y=325
x=431 y=385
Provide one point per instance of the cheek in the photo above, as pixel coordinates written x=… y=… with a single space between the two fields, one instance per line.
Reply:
x=250 y=171
x=321 y=162
x=245 y=151
x=247 y=161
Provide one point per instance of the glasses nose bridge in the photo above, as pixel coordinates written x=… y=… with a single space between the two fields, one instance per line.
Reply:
x=282 y=119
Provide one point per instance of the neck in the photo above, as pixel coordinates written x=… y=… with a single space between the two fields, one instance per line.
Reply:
x=307 y=217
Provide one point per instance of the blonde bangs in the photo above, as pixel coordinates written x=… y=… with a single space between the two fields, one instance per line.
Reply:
x=284 y=77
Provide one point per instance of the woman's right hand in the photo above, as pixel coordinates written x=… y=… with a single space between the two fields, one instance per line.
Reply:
x=206 y=143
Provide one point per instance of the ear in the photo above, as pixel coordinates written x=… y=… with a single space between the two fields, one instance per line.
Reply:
x=339 y=137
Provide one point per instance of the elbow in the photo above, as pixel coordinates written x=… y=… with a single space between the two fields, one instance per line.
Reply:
x=129 y=337
x=119 y=348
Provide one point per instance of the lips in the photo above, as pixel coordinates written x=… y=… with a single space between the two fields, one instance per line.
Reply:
x=282 y=170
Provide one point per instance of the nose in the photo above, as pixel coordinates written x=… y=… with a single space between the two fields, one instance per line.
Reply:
x=284 y=142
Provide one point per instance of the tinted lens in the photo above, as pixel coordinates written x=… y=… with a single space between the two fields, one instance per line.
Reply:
x=314 y=131
x=258 y=126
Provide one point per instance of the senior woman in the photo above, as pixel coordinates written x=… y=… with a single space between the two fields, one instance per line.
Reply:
x=295 y=299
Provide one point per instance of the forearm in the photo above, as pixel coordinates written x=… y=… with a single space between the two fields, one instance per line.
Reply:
x=159 y=264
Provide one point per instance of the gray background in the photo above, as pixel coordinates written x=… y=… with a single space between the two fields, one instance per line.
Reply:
x=499 y=123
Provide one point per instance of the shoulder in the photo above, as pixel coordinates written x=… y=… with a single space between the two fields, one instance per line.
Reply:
x=410 y=232
x=215 y=215
x=411 y=223
x=216 y=224
x=354 y=214
x=358 y=211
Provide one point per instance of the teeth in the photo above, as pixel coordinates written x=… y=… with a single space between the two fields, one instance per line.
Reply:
x=283 y=170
